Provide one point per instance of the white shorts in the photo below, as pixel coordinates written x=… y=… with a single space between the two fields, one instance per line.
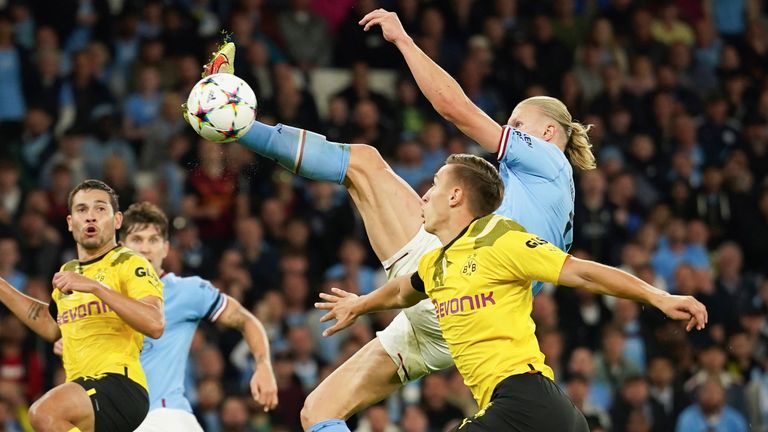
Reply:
x=167 y=419
x=414 y=340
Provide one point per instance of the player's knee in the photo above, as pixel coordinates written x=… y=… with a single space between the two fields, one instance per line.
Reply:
x=309 y=414
x=39 y=417
x=366 y=159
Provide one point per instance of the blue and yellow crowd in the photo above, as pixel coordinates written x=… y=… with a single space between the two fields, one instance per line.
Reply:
x=677 y=91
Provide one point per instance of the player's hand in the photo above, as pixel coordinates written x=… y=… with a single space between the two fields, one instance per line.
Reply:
x=68 y=281
x=58 y=347
x=390 y=25
x=264 y=386
x=684 y=308
x=341 y=305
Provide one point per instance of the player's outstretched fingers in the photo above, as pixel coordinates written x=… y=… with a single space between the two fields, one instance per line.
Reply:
x=329 y=316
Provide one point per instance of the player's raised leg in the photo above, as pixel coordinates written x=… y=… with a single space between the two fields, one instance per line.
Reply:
x=389 y=206
x=64 y=408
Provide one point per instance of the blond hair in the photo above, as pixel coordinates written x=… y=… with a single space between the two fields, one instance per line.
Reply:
x=577 y=148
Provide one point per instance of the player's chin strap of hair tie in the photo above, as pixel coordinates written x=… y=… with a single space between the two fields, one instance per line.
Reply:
x=569 y=131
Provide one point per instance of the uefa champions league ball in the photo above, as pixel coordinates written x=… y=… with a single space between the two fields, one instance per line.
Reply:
x=221 y=107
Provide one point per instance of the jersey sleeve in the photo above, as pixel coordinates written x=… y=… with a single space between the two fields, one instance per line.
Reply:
x=205 y=299
x=524 y=154
x=139 y=279
x=422 y=273
x=525 y=256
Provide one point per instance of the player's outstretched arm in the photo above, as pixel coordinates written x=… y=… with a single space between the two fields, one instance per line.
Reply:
x=263 y=384
x=30 y=311
x=144 y=314
x=345 y=307
x=602 y=279
x=443 y=92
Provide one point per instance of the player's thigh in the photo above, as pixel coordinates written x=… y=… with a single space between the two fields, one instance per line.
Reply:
x=415 y=342
x=165 y=419
x=68 y=402
x=367 y=377
x=390 y=208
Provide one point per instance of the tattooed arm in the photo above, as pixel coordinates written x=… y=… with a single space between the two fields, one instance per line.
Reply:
x=30 y=311
x=263 y=385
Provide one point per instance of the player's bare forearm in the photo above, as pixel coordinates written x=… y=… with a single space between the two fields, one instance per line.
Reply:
x=395 y=294
x=32 y=312
x=602 y=279
x=237 y=317
x=345 y=307
x=263 y=383
x=145 y=315
x=445 y=94
x=448 y=98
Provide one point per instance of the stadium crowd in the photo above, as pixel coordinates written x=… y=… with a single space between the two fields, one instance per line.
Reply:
x=678 y=94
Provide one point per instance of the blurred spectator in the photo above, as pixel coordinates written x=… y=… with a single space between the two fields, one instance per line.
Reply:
x=414 y=420
x=359 y=278
x=210 y=397
x=756 y=393
x=9 y=260
x=210 y=196
x=410 y=165
x=336 y=126
x=142 y=106
x=235 y=415
x=305 y=36
x=87 y=90
x=612 y=366
x=164 y=126
x=104 y=142
x=634 y=399
x=434 y=401
x=39 y=245
x=674 y=250
x=376 y=419
x=742 y=363
x=69 y=154
x=735 y=290
x=592 y=217
x=11 y=195
x=578 y=390
x=289 y=392
x=360 y=89
x=666 y=389
x=711 y=413
x=12 y=98
x=35 y=145
x=754 y=236
x=669 y=28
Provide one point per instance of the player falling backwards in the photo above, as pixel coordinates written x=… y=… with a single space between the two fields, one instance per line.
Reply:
x=188 y=300
x=480 y=283
x=103 y=304
x=531 y=149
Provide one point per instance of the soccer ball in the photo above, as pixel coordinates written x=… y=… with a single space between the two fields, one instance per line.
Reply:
x=221 y=107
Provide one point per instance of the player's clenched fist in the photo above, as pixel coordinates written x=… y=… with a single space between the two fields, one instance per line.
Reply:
x=390 y=25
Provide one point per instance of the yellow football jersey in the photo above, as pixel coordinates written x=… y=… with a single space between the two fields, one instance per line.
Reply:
x=480 y=284
x=96 y=339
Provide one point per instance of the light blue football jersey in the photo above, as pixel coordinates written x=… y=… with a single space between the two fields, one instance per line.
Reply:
x=538 y=188
x=187 y=301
